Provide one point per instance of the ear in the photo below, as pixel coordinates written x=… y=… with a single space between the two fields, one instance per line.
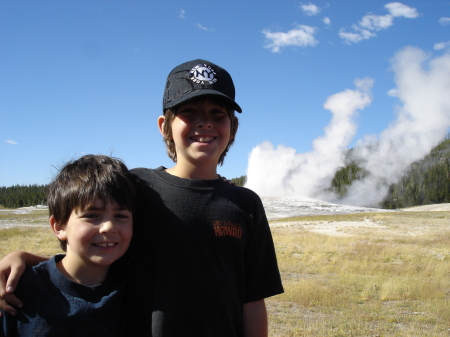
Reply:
x=57 y=228
x=161 y=120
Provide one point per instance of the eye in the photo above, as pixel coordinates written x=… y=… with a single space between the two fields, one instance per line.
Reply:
x=218 y=111
x=186 y=111
x=123 y=215
x=89 y=215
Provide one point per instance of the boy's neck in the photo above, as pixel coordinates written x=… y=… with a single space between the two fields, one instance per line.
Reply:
x=86 y=275
x=189 y=171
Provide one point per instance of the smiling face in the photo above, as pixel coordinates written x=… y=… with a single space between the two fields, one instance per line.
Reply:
x=165 y=123
x=96 y=236
x=200 y=131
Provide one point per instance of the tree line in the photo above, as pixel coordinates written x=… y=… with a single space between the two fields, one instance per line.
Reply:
x=240 y=181
x=23 y=196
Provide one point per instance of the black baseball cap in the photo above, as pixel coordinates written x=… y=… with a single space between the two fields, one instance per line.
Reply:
x=197 y=78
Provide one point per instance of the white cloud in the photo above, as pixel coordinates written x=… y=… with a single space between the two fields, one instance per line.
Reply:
x=442 y=45
x=326 y=20
x=398 y=9
x=302 y=36
x=11 y=142
x=199 y=25
x=376 y=22
x=393 y=92
x=182 y=13
x=310 y=9
x=371 y=22
x=444 y=21
x=359 y=35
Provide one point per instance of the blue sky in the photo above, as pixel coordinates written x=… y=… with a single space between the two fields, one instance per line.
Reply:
x=79 y=77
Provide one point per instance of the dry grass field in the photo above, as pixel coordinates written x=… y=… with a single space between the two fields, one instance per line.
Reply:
x=27 y=231
x=374 y=274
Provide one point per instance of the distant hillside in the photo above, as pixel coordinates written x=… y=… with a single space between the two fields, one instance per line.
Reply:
x=426 y=182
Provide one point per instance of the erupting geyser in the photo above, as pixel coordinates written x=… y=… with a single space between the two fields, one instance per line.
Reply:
x=423 y=120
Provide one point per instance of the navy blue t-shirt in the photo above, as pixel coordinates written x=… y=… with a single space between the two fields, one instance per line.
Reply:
x=56 y=306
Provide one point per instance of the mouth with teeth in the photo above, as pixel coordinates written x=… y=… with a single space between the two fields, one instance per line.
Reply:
x=203 y=139
x=105 y=244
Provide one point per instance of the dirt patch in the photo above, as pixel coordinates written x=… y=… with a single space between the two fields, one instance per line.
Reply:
x=336 y=228
x=417 y=221
x=429 y=208
x=24 y=217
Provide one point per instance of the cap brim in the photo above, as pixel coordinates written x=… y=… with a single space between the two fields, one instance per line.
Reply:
x=199 y=93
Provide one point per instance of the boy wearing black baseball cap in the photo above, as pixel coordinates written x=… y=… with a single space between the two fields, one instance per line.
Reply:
x=213 y=258
x=202 y=258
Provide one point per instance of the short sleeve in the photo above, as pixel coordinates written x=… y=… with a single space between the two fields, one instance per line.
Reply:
x=262 y=276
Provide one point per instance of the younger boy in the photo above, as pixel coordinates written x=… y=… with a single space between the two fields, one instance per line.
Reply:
x=80 y=293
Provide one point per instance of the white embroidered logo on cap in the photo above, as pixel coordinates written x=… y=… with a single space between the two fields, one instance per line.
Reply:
x=203 y=74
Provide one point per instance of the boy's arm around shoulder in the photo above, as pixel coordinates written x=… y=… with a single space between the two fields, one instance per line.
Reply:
x=12 y=267
x=255 y=319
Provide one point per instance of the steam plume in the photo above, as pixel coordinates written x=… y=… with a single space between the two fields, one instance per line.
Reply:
x=423 y=120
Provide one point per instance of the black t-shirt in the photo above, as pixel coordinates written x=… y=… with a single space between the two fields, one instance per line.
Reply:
x=200 y=250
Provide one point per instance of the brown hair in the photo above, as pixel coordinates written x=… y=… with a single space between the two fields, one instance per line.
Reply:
x=170 y=114
x=79 y=182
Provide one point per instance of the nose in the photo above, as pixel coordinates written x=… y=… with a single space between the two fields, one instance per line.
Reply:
x=108 y=226
x=204 y=121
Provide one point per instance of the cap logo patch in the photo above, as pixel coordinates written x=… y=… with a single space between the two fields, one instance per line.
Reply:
x=203 y=74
